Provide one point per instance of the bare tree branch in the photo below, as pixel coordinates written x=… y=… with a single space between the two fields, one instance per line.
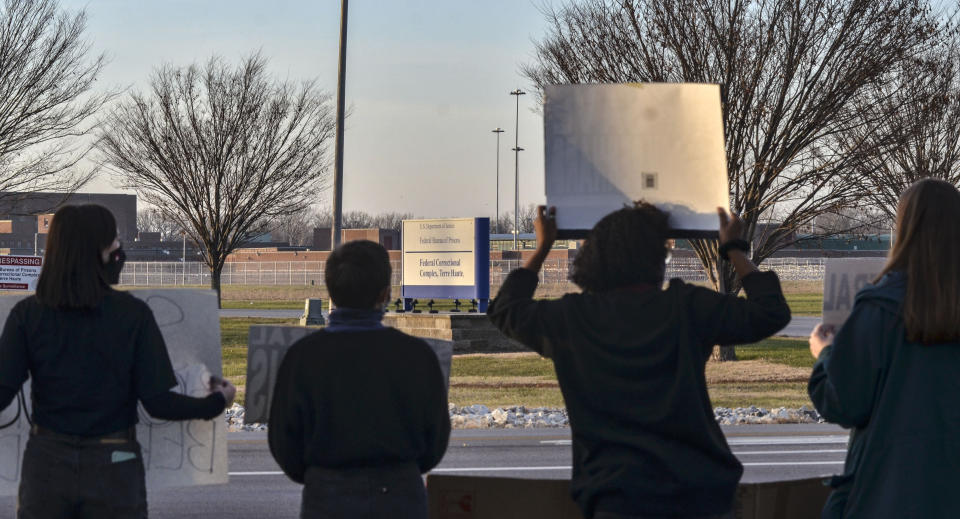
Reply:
x=46 y=99
x=221 y=151
x=790 y=73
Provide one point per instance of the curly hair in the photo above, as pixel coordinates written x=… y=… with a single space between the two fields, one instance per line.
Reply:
x=626 y=247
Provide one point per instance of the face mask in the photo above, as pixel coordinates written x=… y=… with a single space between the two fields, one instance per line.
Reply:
x=115 y=265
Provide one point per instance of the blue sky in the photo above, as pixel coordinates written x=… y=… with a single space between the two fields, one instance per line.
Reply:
x=427 y=80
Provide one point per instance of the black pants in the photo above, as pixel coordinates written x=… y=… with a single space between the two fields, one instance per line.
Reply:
x=396 y=492
x=90 y=479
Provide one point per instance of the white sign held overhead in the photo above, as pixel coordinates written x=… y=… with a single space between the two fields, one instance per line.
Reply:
x=19 y=272
x=609 y=145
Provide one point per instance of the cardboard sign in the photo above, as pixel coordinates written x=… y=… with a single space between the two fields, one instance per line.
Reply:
x=466 y=497
x=842 y=279
x=19 y=272
x=266 y=347
x=608 y=145
x=175 y=453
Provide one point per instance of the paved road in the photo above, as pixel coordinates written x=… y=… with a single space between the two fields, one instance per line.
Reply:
x=798 y=327
x=258 y=489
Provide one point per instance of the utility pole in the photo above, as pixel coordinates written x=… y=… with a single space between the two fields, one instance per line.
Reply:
x=496 y=216
x=516 y=172
x=338 y=158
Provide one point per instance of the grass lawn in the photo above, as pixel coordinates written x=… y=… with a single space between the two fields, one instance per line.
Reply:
x=805 y=303
x=771 y=373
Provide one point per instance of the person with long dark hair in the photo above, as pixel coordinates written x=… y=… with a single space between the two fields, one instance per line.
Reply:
x=91 y=353
x=891 y=373
x=630 y=357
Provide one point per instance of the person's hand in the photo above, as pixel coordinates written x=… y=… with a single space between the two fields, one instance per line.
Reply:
x=546 y=227
x=731 y=227
x=224 y=387
x=820 y=338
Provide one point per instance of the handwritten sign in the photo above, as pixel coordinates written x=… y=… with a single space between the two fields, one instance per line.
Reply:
x=608 y=145
x=175 y=453
x=266 y=347
x=19 y=272
x=842 y=279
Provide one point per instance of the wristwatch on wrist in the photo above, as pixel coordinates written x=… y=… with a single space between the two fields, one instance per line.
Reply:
x=739 y=244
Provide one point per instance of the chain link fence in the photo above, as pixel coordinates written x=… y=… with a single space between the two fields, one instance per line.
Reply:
x=555 y=272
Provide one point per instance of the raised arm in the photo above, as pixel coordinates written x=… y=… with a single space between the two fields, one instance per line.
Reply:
x=514 y=311
x=727 y=319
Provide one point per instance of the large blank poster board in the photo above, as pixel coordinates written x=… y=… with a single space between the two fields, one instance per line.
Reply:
x=609 y=145
x=174 y=453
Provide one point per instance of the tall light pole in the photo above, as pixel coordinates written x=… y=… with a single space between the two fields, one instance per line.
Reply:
x=338 y=158
x=516 y=172
x=496 y=216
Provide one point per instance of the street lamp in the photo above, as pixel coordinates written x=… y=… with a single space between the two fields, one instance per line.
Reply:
x=496 y=216
x=516 y=172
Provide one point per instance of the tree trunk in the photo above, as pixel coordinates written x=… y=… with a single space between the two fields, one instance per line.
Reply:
x=215 y=282
x=725 y=282
x=724 y=353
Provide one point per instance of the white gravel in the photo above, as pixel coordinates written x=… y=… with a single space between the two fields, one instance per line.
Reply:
x=480 y=416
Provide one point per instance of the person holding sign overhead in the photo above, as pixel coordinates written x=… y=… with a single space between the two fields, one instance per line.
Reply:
x=630 y=356
x=91 y=353
x=891 y=372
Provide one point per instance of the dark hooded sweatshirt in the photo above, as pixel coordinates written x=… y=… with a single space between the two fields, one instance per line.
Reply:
x=630 y=364
x=900 y=399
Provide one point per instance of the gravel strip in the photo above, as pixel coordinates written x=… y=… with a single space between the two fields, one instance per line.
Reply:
x=480 y=416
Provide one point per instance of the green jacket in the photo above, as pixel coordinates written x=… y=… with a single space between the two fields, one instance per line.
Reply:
x=901 y=400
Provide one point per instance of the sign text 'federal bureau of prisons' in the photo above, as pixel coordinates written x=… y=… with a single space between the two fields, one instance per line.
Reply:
x=446 y=258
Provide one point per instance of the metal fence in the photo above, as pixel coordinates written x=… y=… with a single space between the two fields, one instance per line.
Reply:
x=554 y=273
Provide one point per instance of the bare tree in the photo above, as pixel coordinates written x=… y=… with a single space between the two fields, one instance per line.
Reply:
x=151 y=219
x=295 y=228
x=46 y=101
x=913 y=124
x=221 y=149
x=391 y=220
x=527 y=215
x=789 y=73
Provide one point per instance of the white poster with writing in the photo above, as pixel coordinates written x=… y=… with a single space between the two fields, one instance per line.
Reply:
x=19 y=272
x=842 y=279
x=439 y=252
x=174 y=453
x=608 y=145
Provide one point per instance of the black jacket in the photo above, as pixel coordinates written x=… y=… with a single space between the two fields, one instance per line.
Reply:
x=900 y=398
x=630 y=364
x=358 y=399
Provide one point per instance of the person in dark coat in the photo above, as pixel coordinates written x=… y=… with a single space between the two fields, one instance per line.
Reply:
x=359 y=410
x=891 y=373
x=630 y=355
x=91 y=353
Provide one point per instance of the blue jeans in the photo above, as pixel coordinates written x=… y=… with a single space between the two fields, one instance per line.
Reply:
x=360 y=493
x=89 y=479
